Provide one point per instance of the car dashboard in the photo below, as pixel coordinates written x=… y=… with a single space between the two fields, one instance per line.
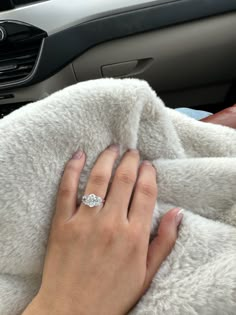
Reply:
x=48 y=45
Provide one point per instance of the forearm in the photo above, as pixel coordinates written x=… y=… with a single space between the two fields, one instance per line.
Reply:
x=226 y=117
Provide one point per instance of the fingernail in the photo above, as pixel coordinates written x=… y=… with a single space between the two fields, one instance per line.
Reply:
x=78 y=155
x=179 y=217
x=133 y=150
x=145 y=162
x=114 y=147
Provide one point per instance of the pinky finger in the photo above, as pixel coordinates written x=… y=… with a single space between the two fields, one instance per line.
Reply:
x=163 y=243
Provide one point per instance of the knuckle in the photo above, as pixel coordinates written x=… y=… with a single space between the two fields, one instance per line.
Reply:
x=133 y=241
x=65 y=192
x=126 y=177
x=79 y=231
x=107 y=232
x=72 y=167
x=140 y=230
x=99 y=179
x=70 y=231
x=149 y=190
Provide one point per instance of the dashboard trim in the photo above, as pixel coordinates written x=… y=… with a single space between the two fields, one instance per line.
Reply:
x=56 y=15
x=63 y=47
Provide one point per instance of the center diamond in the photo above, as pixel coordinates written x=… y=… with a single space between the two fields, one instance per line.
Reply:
x=92 y=200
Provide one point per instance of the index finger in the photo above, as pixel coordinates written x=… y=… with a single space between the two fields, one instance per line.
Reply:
x=67 y=193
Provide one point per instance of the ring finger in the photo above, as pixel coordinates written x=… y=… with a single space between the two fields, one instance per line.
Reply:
x=99 y=178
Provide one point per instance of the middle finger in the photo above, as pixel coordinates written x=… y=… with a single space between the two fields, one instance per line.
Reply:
x=120 y=193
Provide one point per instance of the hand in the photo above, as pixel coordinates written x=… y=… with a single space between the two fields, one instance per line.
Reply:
x=99 y=260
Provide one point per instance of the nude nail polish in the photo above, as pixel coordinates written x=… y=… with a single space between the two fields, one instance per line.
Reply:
x=133 y=150
x=145 y=162
x=78 y=155
x=114 y=147
x=179 y=217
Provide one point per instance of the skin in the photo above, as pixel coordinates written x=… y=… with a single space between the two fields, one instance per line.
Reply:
x=100 y=260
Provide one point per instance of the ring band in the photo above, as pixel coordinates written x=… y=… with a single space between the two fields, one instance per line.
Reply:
x=92 y=200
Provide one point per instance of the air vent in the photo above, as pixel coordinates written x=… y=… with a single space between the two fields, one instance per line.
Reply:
x=19 y=52
x=18 y=64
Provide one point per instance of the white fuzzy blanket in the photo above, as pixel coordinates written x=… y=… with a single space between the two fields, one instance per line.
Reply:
x=196 y=165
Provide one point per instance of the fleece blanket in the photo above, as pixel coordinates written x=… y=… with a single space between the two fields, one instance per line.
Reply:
x=196 y=166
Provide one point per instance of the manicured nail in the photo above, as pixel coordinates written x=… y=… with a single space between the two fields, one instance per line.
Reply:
x=145 y=162
x=114 y=147
x=78 y=155
x=133 y=150
x=179 y=216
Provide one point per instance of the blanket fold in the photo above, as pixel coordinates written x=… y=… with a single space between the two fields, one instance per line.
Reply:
x=196 y=167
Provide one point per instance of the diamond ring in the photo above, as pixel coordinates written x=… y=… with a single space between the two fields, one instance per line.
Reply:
x=92 y=200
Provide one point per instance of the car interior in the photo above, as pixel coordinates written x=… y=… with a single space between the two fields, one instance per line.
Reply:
x=185 y=49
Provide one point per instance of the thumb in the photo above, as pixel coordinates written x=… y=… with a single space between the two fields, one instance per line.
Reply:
x=162 y=244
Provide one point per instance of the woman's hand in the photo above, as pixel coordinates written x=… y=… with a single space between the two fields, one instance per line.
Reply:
x=99 y=260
